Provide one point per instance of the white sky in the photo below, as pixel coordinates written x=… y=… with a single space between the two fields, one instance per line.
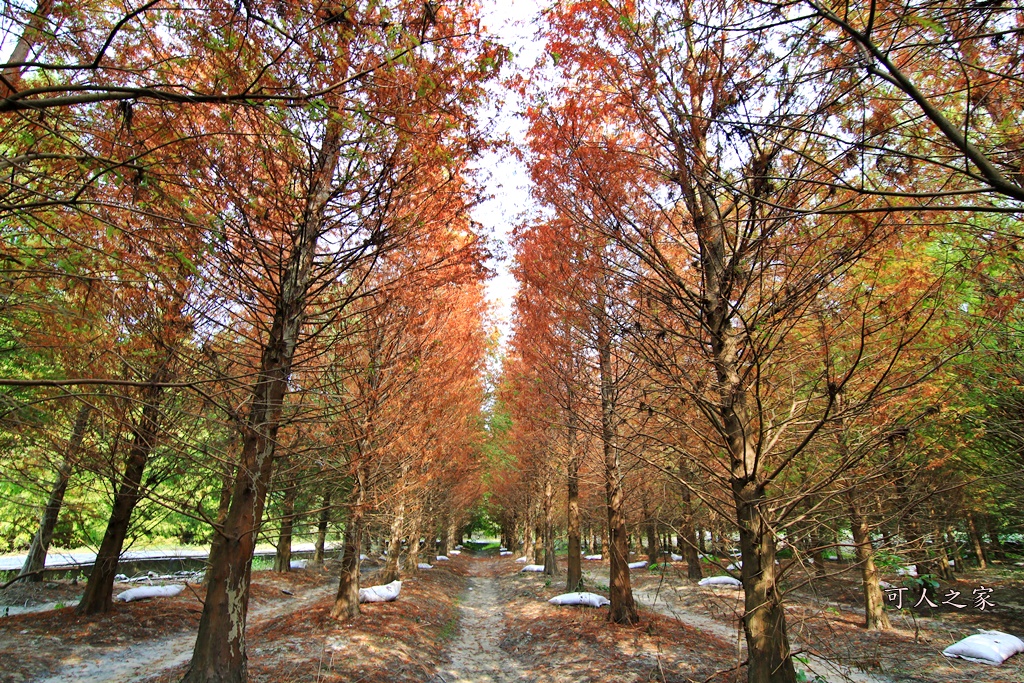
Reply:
x=513 y=23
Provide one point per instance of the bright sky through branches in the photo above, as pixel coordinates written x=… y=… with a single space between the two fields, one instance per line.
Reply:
x=513 y=23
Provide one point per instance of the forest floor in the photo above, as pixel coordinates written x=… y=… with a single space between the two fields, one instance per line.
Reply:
x=478 y=619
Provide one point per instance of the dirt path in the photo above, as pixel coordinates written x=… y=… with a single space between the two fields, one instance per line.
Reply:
x=663 y=603
x=142 y=660
x=475 y=654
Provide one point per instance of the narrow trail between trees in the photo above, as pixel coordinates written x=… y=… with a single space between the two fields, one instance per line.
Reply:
x=661 y=602
x=476 y=655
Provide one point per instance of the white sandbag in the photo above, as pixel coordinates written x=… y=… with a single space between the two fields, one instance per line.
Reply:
x=424 y=565
x=454 y=552
x=502 y=548
x=441 y=558
x=145 y=592
x=385 y=593
x=362 y=556
x=987 y=647
x=587 y=599
x=459 y=547
x=637 y=565
x=533 y=568
x=676 y=558
x=591 y=557
x=503 y=553
x=523 y=560
x=720 y=581
x=734 y=567
x=299 y=564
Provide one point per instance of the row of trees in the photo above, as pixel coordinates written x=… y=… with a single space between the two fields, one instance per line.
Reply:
x=237 y=270
x=774 y=283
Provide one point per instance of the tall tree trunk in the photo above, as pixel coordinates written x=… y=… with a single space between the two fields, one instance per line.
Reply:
x=35 y=562
x=324 y=519
x=875 y=618
x=550 y=561
x=283 y=557
x=620 y=592
x=219 y=655
x=391 y=570
x=575 y=568
x=653 y=545
x=223 y=504
x=979 y=551
x=98 y=596
x=346 y=602
x=687 y=532
x=412 y=558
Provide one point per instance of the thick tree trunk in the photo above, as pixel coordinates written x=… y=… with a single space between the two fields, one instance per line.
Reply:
x=346 y=602
x=412 y=558
x=219 y=655
x=98 y=596
x=391 y=571
x=321 y=529
x=283 y=558
x=764 y=619
x=35 y=562
x=875 y=618
x=223 y=505
x=620 y=592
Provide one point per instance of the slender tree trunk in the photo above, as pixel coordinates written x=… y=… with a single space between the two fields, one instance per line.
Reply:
x=575 y=569
x=875 y=618
x=283 y=558
x=653 y=546
x=346 y=602
x=321 y=529
x=219 y=655
x=550 y=561
x=979 y=551
x=623 y=608
x=223 y=505
x=99 y=591
x=35 y=562
x=687 y=532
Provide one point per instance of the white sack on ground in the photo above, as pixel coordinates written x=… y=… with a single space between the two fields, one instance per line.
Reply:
x=454 y=552
x=441 y=558
x=987 y=647
x=533 y=568
x=299 y=564
x=385 y=593
x=591 y=557
x=638 y=565
x=362 y=556
x=524 y=559
x=150 y=592
x=424 y=565
x=588 y=599
x=676 y=558
x=720 y=581
x=503 y=553
x=734 y=567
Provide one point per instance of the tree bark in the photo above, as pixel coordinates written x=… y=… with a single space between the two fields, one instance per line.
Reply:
x=687 y=532
x=283 y=557
x=99 y=591
x=979 y=551
x=26 y=41
x=875 y=618
x=653 y=545
x=35 y=562
x=391 y=570
x=346 y=602
x=550 y=561
x=321 y=529
x=620 y=592
x=219 y=655
x=575 y=569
